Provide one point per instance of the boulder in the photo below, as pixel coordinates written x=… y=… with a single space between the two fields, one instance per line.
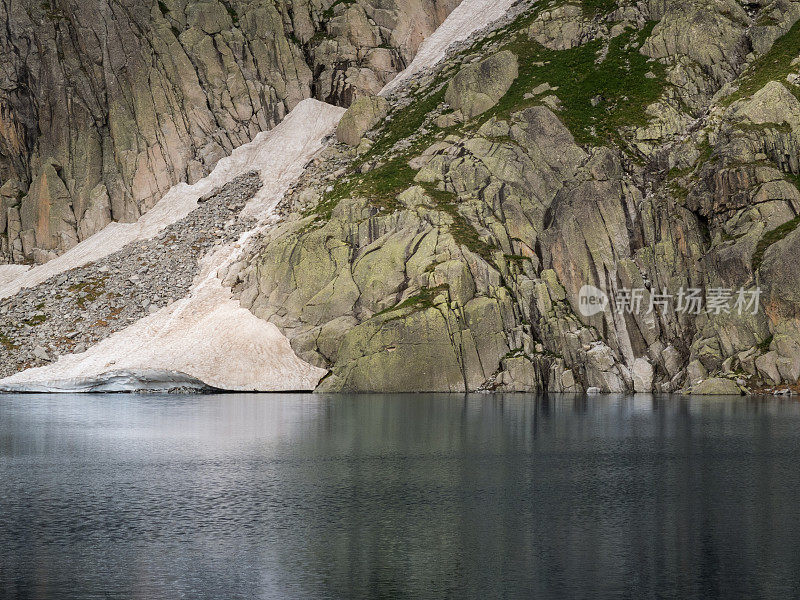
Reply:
x=642 y=372
x=771 y=104
x=717 y=386
x=363 y=115
x=40 y=353
x=768 y=368
x=478 y=87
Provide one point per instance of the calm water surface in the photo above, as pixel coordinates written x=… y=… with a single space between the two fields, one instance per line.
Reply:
x=376 y=496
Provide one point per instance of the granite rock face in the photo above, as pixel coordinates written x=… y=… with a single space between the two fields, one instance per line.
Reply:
x=363 y=115
x=106 y=105
x=450 y=251
x=646 y=152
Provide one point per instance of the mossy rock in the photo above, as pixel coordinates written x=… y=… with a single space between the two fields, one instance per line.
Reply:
x=478 y=87
x=409 y=350
x=363 y=115
x=717 y=386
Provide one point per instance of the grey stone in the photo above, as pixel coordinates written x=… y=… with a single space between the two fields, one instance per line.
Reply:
x=716 y=386
x=363 y=115
x=478 y=87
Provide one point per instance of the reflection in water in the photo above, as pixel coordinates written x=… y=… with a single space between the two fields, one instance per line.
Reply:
x=302 y=496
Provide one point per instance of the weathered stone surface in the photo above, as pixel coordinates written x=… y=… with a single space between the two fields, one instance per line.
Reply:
x=717 y=386
x=478 y=87
x=363 y=115
x=138 y=95
x=413 y=353
x=703 y=45
x=771 y=104
x=565 y=27
x=642 y=372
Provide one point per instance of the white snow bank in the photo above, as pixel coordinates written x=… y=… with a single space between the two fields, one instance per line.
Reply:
x=467 y=18
x=207 y=336
x=280 y=154
x=118 y=381
x=9 y=273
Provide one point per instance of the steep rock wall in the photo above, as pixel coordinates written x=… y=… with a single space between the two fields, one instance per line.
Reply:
x=645 y=147
x=104 y=106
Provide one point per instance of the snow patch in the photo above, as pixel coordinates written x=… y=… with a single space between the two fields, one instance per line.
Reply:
x=117 y=381
x=280 y=154
x=206 y=336
x=9 y=273
x=467 y=18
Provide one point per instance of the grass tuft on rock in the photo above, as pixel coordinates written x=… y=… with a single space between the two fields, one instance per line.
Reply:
x=597 y=8
x=380 y=187
x=461 y=229
x=773 y=65
x=619 y=84
x=329 y=12
x=422 y=300
x=771 y=237
x=382 y=184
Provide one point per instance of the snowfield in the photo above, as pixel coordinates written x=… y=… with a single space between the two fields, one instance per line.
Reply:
x=279 y=154
x=11 y=273
x=207 y=338
x=467 y=18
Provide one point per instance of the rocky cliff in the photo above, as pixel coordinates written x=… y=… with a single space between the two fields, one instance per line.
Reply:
x=105 y=105
x=445 y=238
x=646 y=149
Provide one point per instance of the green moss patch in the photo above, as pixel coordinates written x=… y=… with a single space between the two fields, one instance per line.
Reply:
x=422 y=300
x=765 y=344
x=619 y=84
x=6 y=342
x=774 y=65
x=380 y=187
x=35 y=320
x=405 y=123
x=382 y=184
x=329 y=12
x=461 y=229
x=769 y=238
x=88 y=291
x=596 y=8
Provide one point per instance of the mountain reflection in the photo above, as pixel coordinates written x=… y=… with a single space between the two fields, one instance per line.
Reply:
x=296 y=495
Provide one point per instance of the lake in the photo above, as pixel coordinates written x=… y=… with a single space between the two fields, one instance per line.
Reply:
x=398 y=496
